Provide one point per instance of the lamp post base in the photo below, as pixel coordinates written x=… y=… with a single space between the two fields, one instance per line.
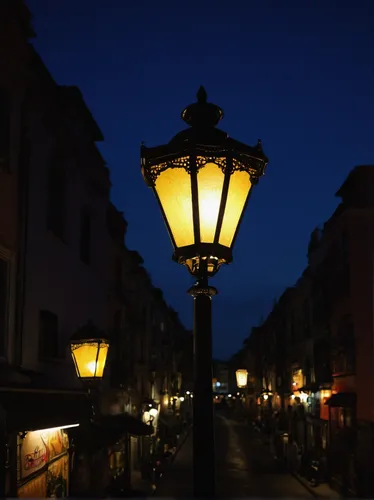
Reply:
x=203 y=428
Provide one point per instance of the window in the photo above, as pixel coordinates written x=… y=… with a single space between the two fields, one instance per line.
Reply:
x=4 y=294
x=48 y=335
x=4 y=130
x=345 y=349
x=56 y=203
x=85 y=237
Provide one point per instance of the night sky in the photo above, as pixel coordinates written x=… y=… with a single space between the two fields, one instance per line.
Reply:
x=298 y=75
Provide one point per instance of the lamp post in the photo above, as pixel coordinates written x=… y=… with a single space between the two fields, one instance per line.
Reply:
x=202 y=180
x=89 y=349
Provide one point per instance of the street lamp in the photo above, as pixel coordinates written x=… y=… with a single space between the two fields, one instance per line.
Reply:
x=241 y=378
x=89 y=349
x=202 y=180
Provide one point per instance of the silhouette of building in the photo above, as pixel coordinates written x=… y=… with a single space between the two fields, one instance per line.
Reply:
x=314 y=351
x=63 y=262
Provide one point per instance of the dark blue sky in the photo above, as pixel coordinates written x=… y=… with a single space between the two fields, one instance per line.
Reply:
x=297 y=74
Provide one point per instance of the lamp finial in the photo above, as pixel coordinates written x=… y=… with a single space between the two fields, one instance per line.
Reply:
x=201 y=95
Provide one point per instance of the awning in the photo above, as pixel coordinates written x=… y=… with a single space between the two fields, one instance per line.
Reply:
x=92 y=437
x=29 y=410
x=124 y=422
x=107 y=430
x=342 y=400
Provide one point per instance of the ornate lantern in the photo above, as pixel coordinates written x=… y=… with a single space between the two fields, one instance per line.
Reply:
x=89 y=350
x=202 y=180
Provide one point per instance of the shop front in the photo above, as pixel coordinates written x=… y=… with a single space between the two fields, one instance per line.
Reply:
x=111 y=449
x=43 y=464
x=36 y=434
x=342 y=437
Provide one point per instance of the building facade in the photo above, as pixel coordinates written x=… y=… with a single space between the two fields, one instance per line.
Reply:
x=64 y=263
x=312 y=357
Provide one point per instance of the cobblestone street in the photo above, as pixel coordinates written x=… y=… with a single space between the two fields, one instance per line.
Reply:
x=244 y=467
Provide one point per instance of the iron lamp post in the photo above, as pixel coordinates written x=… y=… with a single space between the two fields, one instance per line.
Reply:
x=202 y=180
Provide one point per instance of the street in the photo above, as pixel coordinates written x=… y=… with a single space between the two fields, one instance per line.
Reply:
x=244 y=467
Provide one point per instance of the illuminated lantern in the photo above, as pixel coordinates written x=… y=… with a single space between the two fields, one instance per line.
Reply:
x=202 y=180
x=241 y=378
x=89 y=350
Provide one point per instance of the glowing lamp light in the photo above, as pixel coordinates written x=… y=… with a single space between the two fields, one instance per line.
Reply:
x=303 y=397
x=265 y=396
x=241 y=378
x=202 y=180
x=153 y=412
x=51 y=429
x=89 y=349
x=181 y=399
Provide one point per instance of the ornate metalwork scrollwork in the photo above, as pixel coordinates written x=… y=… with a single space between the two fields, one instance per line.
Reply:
x=245 y=164
x=253 y=166
x=201 y=161
x=155 y=170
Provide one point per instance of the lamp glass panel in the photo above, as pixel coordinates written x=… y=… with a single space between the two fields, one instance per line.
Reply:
x=90 y=359
x=239 y=188
x=101 y=361
x=173 y=187
x=210 y=183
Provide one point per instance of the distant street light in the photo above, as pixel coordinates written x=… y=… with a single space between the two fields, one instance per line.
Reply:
x=202 y=180
x=241 y=378
x=89 y=350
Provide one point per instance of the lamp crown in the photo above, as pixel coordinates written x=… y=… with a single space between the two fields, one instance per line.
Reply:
x=202 y=114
